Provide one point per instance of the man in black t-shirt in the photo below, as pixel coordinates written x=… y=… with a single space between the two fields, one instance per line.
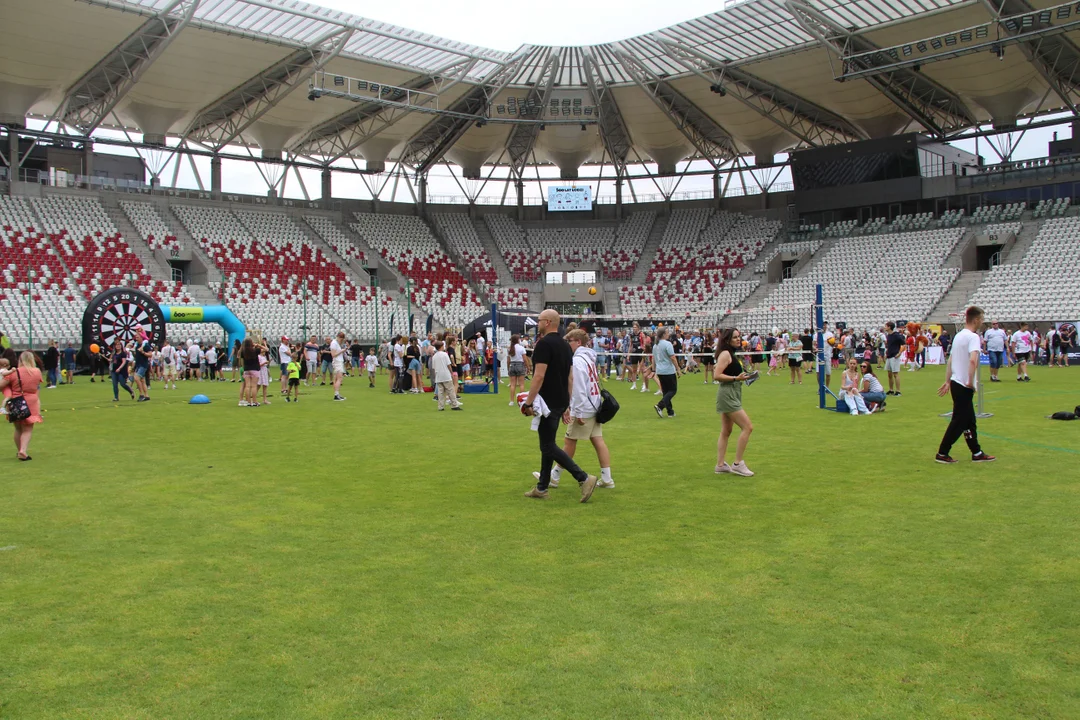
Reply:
x=52 y=364
x=553 y=381
x=894 y=346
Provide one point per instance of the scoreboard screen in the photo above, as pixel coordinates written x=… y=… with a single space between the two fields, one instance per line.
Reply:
x=562 y=199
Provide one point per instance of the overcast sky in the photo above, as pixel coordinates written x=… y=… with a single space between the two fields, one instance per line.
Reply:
x=509 y=25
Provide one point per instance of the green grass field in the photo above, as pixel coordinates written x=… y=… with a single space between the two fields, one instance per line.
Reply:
x=376 y=558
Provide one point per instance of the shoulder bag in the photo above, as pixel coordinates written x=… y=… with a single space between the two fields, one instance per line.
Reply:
x=17 y=409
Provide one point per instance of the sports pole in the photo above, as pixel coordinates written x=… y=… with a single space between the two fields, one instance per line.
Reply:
x=495 y=353
x=819 y=323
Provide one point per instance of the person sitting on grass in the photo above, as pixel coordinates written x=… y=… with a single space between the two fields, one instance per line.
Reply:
x=873 y=392
x=849 y=389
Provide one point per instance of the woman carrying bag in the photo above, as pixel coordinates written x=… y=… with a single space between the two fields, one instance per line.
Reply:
x=20 y=387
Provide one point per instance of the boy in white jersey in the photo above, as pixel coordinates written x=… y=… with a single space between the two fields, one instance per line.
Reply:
x=371 y=362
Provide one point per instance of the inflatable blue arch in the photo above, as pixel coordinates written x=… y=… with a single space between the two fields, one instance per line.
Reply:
x=119 y=313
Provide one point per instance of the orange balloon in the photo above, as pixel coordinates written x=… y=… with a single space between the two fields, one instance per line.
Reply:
x=94 y=348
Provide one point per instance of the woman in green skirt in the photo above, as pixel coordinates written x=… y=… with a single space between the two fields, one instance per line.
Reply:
x=729 y=373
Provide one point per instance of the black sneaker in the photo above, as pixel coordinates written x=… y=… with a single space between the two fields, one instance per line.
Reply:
x=1027 y=379
x=982 y=457
x=896 y=394
x=1019 y=379
x=287 y=400
x=944 y=459
x=890 y=392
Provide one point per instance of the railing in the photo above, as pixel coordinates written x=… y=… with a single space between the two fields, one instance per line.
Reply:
x=1038 y=169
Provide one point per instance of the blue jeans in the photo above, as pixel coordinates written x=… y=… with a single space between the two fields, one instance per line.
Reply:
x=53 y=375
x=873 y=397
x=119 y=380
x=997 y=358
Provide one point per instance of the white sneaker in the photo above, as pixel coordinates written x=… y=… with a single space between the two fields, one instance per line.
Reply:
x=266 y=402
x=644 y=389
x=633 y=386
x=605 y=483
x=658 y=392
x=722 y=468
x=511 y=403
x=740 y=468
x=242 y=404
x=553 y=483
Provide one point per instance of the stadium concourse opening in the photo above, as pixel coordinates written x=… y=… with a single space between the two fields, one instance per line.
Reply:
x=383 y=220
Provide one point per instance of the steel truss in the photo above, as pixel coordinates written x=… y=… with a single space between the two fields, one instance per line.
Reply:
x=928 y=103
x=223 y=120
x=522 y=139
x=93 y=97
x=341 y=135
x=429 y=145
x=807 y=121
x=613 y=131
x=710 y=140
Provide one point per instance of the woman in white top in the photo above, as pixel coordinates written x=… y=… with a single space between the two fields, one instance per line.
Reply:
x=518 y=367
x=849 y=389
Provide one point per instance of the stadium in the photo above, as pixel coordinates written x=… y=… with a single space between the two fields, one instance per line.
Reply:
x=213 y=170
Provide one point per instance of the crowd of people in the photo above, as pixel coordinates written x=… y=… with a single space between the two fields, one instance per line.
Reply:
x=643 y=356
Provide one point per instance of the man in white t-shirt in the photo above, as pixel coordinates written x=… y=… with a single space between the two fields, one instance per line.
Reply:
x=1022 y=344
x=194 y=357
x=168 y=365
x=337 y=362
x=961 y=376
x=995 y=338
x=397 y=365
x=284 y=358
x=442 y=376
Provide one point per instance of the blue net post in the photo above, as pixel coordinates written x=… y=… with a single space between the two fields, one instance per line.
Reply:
x=819 y=323
x=495 y=347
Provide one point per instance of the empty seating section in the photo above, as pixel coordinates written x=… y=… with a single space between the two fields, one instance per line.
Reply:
x=407 y=244
x=57 y=303
x=994 y=213
x=460 y=234
x=89 y=244
x=866 y=282
x=570 y=245
x=1044 y=285
x=697 y=240
x=1051 y=208
x=920 y=221
x=620 y=261
x=1003 y=229
x=152 y=228
x=511 y=297
x=335 y=238
x=514 y=247
x=266 y=260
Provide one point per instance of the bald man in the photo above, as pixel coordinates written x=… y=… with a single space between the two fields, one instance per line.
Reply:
x=553 y=381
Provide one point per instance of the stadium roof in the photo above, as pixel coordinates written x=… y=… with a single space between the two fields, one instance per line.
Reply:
x=757 y=78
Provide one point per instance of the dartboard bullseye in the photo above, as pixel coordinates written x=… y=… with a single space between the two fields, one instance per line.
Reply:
x=119 y=314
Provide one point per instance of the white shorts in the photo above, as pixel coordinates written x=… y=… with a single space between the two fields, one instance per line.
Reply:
x=339 y=367
x=892 y=364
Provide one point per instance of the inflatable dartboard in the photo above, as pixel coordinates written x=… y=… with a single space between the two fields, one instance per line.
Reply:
x=119 y=313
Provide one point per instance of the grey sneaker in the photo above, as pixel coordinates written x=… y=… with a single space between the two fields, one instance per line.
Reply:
x=723 y=468
x=752 y=378
x=740 y=468
x=587 y=488
x=538 y=494
x=605 y=483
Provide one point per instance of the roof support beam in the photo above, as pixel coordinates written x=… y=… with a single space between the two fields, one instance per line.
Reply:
x=807 y=121
x=613 y=130
x=522 y=139
x=429 y=145
x=340 y=135
x=926 y=102
x=1054 y=56
x=223 y=120
x=712 y=142
x=93 y=96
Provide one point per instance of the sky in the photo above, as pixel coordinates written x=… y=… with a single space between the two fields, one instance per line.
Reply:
x=509 y=25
